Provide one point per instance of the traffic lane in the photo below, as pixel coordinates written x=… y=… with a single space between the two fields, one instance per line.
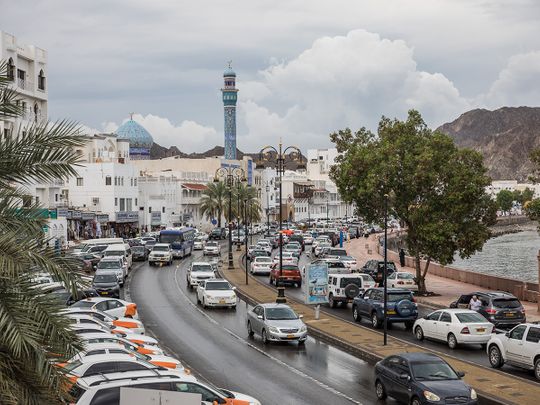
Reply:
x=228 y=358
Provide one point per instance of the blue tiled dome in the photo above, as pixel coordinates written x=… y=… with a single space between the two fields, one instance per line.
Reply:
x=229 y=73
x=138 y=136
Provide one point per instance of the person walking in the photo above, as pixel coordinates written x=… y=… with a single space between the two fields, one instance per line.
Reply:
x=402 y=257
x=475 y=304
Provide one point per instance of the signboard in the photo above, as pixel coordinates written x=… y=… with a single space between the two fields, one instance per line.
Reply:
x=127 y=216
x=102 y=218
x=316 y=285
x=76 y=215
x=155 y=218
x=69 y=214
x=62 y=212
x=88 y=216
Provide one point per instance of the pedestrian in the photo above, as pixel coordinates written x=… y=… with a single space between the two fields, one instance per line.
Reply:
x=357 y=232
x=402 y=257
x=475 y=304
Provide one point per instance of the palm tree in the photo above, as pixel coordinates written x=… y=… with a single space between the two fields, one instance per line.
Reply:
x=33 y=332
x=214 y=200
x=249 y=199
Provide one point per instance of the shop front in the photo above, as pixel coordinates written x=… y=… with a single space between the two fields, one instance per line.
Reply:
x=126 y=224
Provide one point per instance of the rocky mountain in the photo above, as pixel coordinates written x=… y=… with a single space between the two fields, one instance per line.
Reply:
x=504 y=137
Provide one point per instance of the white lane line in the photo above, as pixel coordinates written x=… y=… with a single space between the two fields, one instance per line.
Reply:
x=275 y=359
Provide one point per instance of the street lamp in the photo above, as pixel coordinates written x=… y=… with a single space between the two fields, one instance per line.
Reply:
x=246 y=232
x=385 y=271
x=327 y=211
x=239 y=216
x=278 y=156
x=230 y=175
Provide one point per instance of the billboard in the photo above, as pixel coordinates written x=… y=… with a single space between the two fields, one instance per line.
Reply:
x=316 y=283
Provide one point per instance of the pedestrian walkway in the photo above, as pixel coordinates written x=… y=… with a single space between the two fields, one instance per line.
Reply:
x=445 y=290
x=494 y=386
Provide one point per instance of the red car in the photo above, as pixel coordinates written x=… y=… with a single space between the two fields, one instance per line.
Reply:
x=290 y=275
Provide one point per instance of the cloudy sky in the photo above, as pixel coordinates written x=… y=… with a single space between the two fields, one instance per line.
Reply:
x=304 y=67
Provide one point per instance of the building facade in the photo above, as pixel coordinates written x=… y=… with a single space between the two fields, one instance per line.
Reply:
x=229 y=94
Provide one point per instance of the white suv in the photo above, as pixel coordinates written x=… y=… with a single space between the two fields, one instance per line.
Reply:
x=518 y=347
x=344 y=287
x=199 y=271
x=161 y=253
x=212 y=248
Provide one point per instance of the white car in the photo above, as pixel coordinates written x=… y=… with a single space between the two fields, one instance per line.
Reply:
x=216 y=293
x=288 y=258
x=318 y=240
x=144 y=348
x=261 y=265
x=112 y=306
x=349 y=262
x=321 y=246
x=454 y=326
x=198 y=243
x=265 y=245
x=134 y=325
x=88 y=329
x=199 y=271
x=402 y=279
x=212 y=248
x=308 y=239
x=342 y=288
x=518 y=347
x=87 y=320
x=161 y=253
x=113 y=263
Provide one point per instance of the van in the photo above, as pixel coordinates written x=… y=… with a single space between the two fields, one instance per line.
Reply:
x=120 y=250
x=87 y=244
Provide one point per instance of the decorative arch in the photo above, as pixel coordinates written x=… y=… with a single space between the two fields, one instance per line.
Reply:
x=11 y=69
x=41 y=80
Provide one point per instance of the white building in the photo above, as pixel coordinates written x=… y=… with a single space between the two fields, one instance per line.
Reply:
x=159 y=201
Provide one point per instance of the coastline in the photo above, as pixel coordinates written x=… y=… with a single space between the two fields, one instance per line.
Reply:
x=507 y=225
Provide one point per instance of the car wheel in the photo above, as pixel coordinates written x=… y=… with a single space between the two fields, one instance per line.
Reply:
x=409 y=325
x=331 y=301
x=375 y=321
x=203 y=303
x=419 y=333
x=250 y=331
x=356 y=314
x=264 y=337
x=198 y=300
x=415 y=401
x=452 y=341
x=495 y=357
x=537 y=369
x=380 y=391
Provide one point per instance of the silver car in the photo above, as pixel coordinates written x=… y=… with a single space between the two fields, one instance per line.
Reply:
x=276 y=323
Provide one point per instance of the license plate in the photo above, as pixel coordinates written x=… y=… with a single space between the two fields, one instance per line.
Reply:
x=481 y=330
x=105 y=293
x=222 y=301
x=290 y=336
x=391 y=312
x=509 y=315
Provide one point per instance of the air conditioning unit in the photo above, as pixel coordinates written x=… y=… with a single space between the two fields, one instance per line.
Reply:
x=95 y=200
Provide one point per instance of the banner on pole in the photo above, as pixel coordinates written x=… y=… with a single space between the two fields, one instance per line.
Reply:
x=316 y=283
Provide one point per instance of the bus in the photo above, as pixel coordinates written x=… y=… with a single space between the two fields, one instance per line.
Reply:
x=180 y=239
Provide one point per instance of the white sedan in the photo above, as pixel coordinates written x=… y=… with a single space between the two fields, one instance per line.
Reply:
x=112 y=306
x=402 y=279
x=261 y=265
x=216 y=293
x=288 y=258
x=454 y=326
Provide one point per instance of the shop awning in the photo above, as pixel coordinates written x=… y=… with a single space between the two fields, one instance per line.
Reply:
x=194 y=186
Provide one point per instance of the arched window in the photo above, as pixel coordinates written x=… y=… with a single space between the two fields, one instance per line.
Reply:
x=41 y=80
x=36 y=112
x=11 y=70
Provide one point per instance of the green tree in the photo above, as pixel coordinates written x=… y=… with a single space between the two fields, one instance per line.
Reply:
x=532 y=210
x=214 y=200
x=504 y=199
x=33 y=332
x=434 y=188
x=248 y=198
x=526 y=195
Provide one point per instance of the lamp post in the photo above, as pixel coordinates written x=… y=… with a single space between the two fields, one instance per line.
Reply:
x=238 y=224
x=267 y=208
x=230 y=174
x=327 y=211
x=246 y=232
x=278 y=156
x=385 y=301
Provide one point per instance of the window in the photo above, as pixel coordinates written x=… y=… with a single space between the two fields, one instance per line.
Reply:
x=41 y=80
x=163 y=210
x=135 y=182
x=136 y=203
x=533 y=335
x=111 y=304
x=121 y=181
x=129 y=366
x=11 y=70
x=108 y=180
x=128 y=204
x=116 y=202
x=93 y=352
x=518 y=332
x=207 y=395
x=101 y=368
x=122 y=204
x=102 y=306
x=115 y=180
x=445 y=317
x=80 y=181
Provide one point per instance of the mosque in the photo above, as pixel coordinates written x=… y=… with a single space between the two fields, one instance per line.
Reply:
x=140 y=140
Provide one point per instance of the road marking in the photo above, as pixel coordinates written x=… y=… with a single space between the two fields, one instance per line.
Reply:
x=275 y=359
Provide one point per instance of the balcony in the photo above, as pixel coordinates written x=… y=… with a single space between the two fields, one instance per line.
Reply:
x=57 y=183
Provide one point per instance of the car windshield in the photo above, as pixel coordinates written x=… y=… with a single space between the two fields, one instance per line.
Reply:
x=280 y=314
x=263 y=260
x=201 y=267
x=405 y=276
x=433 y=371
x=337 y=252
x=83 y=304
x=396 y=297
x=72 y=365
x=218 y=286
x=105 y=278
x=138 y=249
x=113 y=253
x=169 y=238
x=109 y=264
x=470 y=317
x=345 y=281
x=506 y=303
x=158 y=248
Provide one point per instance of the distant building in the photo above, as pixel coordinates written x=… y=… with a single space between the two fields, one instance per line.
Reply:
x=140 y=140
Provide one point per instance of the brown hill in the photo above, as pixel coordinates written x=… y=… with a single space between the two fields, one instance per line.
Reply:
x=504 y=137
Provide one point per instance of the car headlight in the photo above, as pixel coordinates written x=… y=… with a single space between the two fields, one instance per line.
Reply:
x=430 y=396
x=273 y=329
x=473 y=394
x=303 y=328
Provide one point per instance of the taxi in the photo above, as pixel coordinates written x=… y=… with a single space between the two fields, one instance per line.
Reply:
x=112 y=306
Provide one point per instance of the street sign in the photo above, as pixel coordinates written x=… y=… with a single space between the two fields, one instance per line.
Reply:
x=214 y=221
x=316 y=285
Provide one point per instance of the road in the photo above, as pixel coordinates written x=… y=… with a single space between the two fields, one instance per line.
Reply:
x=215 y=345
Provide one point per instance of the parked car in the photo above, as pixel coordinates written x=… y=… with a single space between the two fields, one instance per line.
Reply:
x=161 y=253
x=518 y=347
x=294 y=248
x=421 y=378
x=106 y=284
x=342 y=288
x=139 y=253
x=455 y=327
x=276 y=323
x=116 y=264
x=349 y=262
x=500 y=308
x=320 y=246
x=335 y=266
x=401 y=307
x=375 y=268
x=261 y=265
x=287 y=258
x=112 y=306
x=198 y=272
x=132 y=324
x=290 y=274
x=212 y=248
x=216 y=293
x=402 y=279
x=108 y=338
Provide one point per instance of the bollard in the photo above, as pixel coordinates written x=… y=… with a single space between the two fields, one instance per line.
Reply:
x=317 y=312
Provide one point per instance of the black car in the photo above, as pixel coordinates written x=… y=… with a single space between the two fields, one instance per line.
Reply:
x=139 y=253
x=421 y=378
x=375 y=268
x=400 y=307
x=66 y=297
x=500 y=308
x=106 y=284
x=217 y=234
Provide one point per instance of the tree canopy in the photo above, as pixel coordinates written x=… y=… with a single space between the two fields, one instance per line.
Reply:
x=434 y=188
x=505 y=199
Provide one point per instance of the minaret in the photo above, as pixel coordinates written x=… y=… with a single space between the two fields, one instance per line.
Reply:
x=229 y=105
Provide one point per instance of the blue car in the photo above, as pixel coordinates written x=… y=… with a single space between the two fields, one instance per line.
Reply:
x=401 y=307
x=421 y=378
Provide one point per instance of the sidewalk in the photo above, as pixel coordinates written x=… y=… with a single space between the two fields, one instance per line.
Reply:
x=446 y=290
x=494 y=387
